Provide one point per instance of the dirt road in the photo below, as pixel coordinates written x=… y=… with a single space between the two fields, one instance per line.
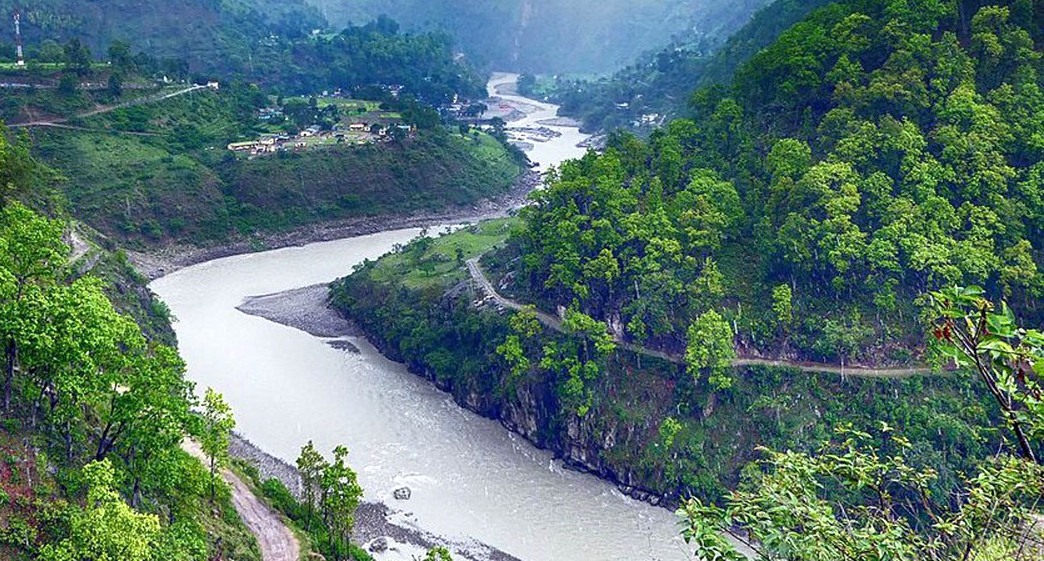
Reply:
x=58 y=122
x=276 y=541
x=480 y=278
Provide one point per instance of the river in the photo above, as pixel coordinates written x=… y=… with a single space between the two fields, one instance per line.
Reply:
x=471 y=479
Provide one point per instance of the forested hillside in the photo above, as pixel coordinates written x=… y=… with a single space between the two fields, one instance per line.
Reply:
x=554 y=36
x=873 y=153
x=161 y=174
x=146 y=162
x=879 y=150
x=283 y=46
x=657 y=86
x=204 y=32
x=94 y=411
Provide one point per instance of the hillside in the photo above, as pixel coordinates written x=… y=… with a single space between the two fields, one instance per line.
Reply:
x=555 y=36
x=284 y=47
x=872 y=153
x=658 y=85
x=94 y=406
x=158 y=174
x=201 y=32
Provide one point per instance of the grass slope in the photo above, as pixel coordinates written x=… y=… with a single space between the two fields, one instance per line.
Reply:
x=177 y=182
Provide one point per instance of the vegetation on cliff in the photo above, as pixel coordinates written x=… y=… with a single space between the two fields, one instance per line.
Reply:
x=876 y=151
x=657 y=86
x=94 y=412
x=648 y=424
x=873 y=153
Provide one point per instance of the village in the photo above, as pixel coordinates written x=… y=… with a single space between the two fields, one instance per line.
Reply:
x=337 y=118
x=332 y=120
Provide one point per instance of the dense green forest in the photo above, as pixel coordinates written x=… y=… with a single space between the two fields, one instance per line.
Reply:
x=94 y=411
x=847 y=170
x=658 y=84
x=648 y=424
x=874 y=153
x=284 y=47
x=204 y=32
x=555 y=36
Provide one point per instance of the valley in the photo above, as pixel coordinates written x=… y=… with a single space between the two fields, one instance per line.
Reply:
x=694 y=280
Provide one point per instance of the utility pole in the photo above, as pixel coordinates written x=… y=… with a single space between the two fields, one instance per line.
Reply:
x=18 y=38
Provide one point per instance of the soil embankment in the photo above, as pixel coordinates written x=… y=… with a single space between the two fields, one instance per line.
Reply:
x=163 y=261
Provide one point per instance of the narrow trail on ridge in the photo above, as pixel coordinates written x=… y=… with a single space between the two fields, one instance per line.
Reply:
x=483 y=282
x=276 y=541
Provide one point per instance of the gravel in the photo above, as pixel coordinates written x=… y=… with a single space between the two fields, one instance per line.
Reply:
x=373 y=520
x=305 y=309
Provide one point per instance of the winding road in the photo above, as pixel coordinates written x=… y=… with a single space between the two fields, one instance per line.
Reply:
x=483 y=282
x=147 y=100
x=276 y=541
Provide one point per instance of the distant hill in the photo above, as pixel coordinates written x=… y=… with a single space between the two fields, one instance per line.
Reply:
x=207 y=33
x=659 y=83
x=556 y=36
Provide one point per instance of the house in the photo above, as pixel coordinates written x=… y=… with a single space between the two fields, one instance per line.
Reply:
x=243 y=146
x=358 y=127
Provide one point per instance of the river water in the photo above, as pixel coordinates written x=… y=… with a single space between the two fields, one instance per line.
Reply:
x=471 y=478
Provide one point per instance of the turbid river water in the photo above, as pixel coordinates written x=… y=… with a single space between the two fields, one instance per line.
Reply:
x=471 y=479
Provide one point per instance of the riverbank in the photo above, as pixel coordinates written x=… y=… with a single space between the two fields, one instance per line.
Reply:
x=166 y=260
x=383 y=531
x=305 y=309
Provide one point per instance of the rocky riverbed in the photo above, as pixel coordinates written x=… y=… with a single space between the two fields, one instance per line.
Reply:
x=387 y=533
x=302 y=308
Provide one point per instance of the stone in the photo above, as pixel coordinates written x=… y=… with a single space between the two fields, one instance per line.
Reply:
x=379 y=545
x=402 y=494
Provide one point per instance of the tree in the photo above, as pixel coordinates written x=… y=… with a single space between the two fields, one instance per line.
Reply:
x=973 y=333
x=106 y=528
x=32 y=257
x=782 y=304
x=340 y=497
x=51 y=51
x=789 y=507
x=524 y=327
x=710 y=349
x=438 y=554
x=115 y=85
x=216 y=433
x=68 y=84
x=785 y=512
x=311 y=465
x=120 y=56
x=77 y=58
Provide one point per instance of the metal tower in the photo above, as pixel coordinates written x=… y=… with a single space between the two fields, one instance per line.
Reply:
x=18 y=38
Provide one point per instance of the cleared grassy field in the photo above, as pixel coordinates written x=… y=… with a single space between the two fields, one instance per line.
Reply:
x=440 y=260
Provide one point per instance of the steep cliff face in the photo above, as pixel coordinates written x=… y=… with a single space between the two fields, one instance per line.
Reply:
x=599 y=443
x=652 y=429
